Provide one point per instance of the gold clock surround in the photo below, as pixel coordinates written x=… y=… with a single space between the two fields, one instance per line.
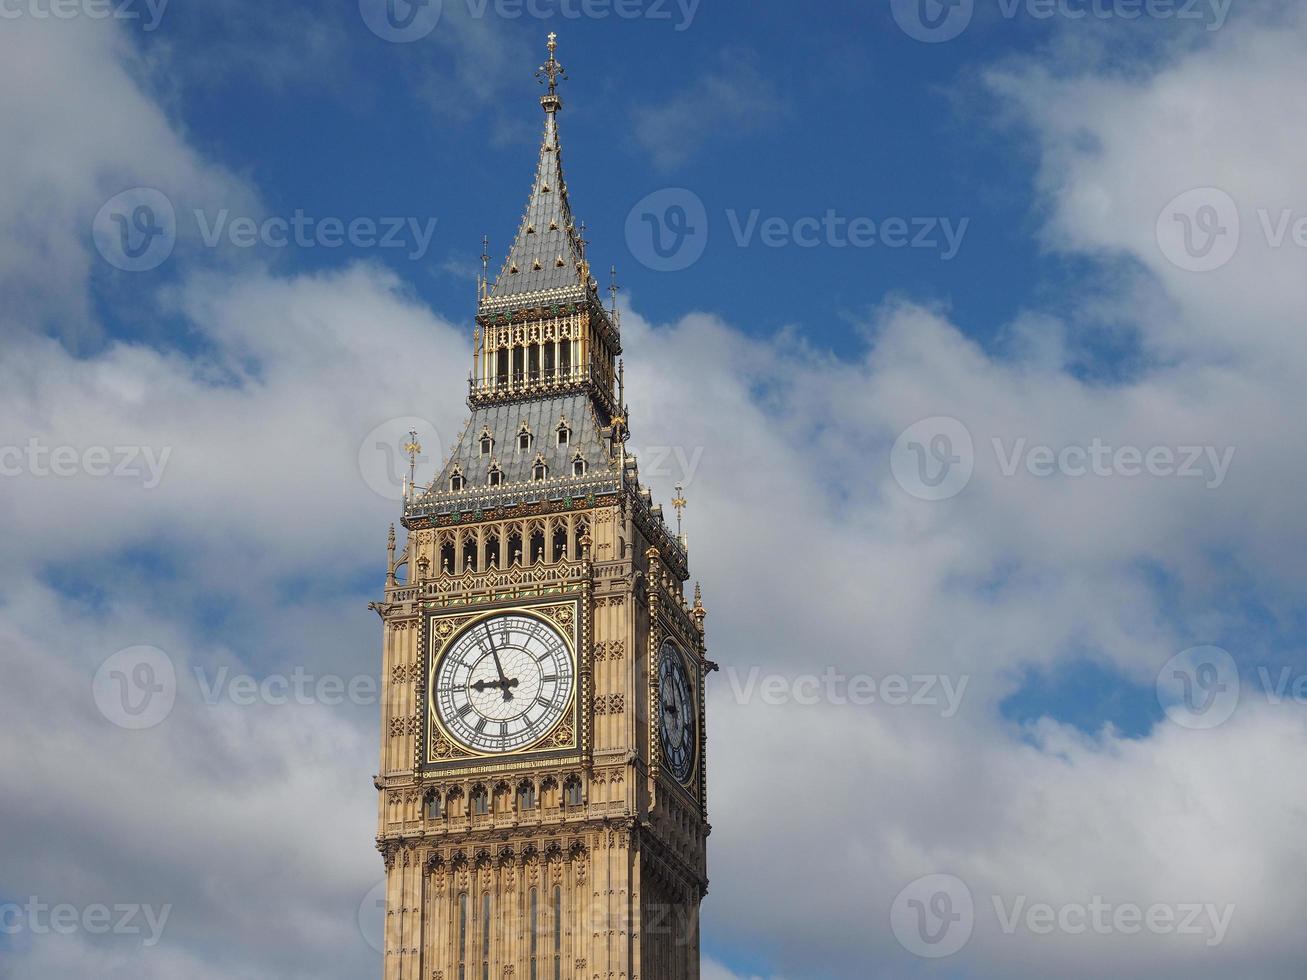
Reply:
x=438 y=747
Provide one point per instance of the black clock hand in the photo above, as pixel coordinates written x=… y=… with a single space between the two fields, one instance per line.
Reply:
x=503 y=679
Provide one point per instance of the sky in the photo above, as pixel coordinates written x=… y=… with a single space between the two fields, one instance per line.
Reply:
x=974 y=332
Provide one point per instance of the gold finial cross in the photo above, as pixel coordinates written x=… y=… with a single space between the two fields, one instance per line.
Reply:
x=551 y=69
x=680 y=504
x=412 y=448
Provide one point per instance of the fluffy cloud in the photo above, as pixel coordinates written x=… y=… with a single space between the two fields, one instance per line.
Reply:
x=261 y=543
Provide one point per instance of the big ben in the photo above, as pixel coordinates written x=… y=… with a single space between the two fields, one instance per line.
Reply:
x=542 y=785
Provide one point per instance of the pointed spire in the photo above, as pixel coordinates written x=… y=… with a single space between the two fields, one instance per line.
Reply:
x=547 y=255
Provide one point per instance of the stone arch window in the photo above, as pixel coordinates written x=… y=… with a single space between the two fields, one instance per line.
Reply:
x=537 y=544
x=457 y=480
x=514 y=547
x=549 y=793
x=503 y=798
x=559 y=550
x=526 y=795
x=582 y=529
x=454 y=803
x=564 y=433
x=492 y=550
x=448 y=557
x=494 y=476
x=572 y=792
x=431 y=805
x=487 y=442
x=480 y=801
x=469 y=554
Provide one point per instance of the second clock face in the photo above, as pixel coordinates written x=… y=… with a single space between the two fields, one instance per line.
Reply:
x=677 y=712
x=503 y=684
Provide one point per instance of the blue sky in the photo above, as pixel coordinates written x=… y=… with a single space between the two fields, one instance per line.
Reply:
x=889 y=450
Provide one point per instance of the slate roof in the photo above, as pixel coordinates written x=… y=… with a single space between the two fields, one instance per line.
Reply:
x=542 y=415
x=546 y=254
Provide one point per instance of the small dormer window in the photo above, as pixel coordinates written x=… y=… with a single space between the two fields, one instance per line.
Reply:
x=524 y=440
x=496 y=476
x=564 y=434
x=457 y=482
x=487 y=444
x=578 y=466
x=539 y=470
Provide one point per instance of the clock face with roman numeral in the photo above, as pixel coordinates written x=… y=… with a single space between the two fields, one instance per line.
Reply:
x=677 y=712
x=503 y=684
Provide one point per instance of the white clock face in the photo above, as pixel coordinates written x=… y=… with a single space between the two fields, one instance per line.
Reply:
x=676 y=712
x=503 y=684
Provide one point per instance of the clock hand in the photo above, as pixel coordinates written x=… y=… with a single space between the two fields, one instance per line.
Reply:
x=499 y=668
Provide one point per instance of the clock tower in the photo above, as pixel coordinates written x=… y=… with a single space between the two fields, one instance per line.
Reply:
x=542 y=810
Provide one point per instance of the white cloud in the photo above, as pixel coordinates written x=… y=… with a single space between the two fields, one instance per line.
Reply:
x=255 y=823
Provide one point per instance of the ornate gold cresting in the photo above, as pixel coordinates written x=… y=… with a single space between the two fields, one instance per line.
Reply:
x=550 y=72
